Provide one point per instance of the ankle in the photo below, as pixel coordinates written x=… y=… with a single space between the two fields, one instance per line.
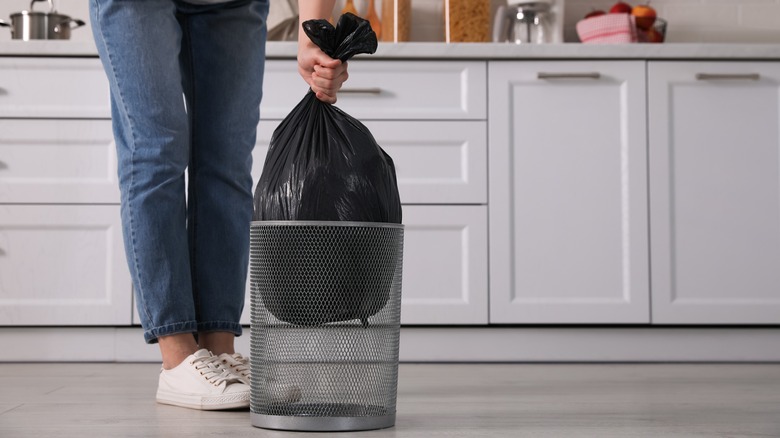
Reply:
x=175 y=348
x=217 y=342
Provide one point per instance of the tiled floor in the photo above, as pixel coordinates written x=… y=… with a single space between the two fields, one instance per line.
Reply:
x=434 y=400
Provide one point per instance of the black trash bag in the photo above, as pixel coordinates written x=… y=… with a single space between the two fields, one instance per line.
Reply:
x=324 y=165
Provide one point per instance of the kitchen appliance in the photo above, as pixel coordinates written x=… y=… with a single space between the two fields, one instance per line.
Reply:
x=36 y=25
x=523 y=22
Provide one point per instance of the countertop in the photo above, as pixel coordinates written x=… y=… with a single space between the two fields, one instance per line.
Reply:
x=281 y=50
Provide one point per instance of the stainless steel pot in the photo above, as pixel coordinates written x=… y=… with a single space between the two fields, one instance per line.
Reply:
x=34 y=25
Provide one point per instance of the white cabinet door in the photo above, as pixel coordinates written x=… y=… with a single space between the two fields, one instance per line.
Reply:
x=715 y=192
x=57 y=161
x=388 y=90
x=445 y=265
x=62 y=265
x=568 y=192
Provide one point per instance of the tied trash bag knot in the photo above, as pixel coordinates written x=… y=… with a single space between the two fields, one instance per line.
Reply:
x=351 y=36
x=324 y=165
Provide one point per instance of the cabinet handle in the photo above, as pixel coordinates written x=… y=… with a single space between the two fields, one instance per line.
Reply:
x=720 y=77
x=586 y=75
x=374 y=91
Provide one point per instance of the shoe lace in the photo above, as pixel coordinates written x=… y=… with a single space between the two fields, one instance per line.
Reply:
x=211 y=370
x=241 y=365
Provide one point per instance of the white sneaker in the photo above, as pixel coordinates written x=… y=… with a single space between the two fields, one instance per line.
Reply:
x=199 y=382
x=239 y=365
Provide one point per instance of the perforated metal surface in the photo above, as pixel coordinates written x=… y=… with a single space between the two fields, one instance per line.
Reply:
x=326 y=303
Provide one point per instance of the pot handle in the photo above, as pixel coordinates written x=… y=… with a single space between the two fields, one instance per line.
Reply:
x=51 y=5
x=4 y=24
x=78 y=22
x=63 y=24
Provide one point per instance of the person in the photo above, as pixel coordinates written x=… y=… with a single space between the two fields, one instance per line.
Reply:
x=186 y=83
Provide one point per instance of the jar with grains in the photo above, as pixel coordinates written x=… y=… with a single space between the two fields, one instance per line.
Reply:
x=467 y=21
x=396 y=17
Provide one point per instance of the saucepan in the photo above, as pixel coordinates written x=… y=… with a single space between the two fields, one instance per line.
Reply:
x=36 y=25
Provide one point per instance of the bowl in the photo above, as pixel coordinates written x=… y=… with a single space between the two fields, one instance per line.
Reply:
x=656 y=33
x=619 y=28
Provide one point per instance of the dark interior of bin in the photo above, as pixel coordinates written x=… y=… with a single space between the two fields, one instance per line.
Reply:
x=315 y=275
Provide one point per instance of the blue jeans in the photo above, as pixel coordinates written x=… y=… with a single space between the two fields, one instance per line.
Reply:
x=186 y=83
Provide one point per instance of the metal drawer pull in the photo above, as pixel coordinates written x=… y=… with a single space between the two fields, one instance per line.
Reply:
x=718 y=77
x=361 y=91
x=588 y=75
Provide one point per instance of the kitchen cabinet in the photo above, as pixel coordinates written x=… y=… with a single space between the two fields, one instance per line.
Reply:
x=524 y=184
x=568 y=192
x=62 y=265
x=547 y=185
x=715 y=192
x=61 y=254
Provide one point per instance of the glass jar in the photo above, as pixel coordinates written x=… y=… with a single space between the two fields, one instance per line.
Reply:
x=396 y=20
x=467 y=21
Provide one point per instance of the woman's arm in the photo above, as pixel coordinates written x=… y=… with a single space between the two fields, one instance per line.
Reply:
x=323 y=74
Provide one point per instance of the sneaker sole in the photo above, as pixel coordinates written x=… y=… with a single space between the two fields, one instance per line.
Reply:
x=214 y=403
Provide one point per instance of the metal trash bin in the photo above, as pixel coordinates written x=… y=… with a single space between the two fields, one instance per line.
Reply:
x=325 y=314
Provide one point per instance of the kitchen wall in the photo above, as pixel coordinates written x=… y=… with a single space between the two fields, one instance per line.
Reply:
x=756 y=21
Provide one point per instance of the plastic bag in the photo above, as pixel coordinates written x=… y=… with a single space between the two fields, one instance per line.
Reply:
x=324 y=165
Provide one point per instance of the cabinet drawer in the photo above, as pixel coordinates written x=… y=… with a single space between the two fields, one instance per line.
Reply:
x=388 y=90
x=57 y=161
x=53 y=87
x=436 y=162
x=62 y=265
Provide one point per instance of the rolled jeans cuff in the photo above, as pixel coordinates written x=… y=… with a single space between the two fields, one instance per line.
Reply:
x=220 y=326
x=151 y=335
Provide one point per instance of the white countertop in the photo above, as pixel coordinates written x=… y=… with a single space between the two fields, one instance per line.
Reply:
x=467 y=50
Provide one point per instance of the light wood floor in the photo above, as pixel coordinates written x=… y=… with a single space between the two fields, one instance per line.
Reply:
x=434 y=400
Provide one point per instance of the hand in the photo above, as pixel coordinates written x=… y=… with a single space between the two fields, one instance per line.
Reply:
x=324 y=74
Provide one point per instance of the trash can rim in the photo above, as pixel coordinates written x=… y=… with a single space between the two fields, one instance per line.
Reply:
x=325 y=224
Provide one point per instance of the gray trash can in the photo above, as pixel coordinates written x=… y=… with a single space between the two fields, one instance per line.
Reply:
x=326 y=310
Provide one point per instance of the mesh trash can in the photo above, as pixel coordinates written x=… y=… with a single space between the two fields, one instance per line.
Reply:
x=326 y=308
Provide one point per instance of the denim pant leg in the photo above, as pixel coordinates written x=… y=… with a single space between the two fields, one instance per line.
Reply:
x=139 y=44
x=223 y=56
